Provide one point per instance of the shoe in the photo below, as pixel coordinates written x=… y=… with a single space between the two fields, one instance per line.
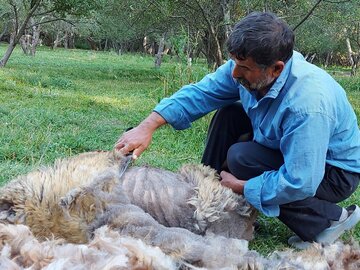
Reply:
x=331 y=234
x=296 y=242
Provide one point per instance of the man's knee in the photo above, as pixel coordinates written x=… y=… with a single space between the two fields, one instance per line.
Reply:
x=238 y=161
x=246 y=160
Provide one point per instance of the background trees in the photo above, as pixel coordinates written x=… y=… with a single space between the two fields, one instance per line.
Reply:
x=327 y=31
x=26 y=16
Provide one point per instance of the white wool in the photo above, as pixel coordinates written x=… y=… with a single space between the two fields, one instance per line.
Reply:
x=6 y=251
x=148 y=255
x=211 y=199
x=6 y=263
x=118 y=251
x=62 y=264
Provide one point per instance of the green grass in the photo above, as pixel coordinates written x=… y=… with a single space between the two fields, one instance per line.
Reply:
x=61 y=103
x=64 y=102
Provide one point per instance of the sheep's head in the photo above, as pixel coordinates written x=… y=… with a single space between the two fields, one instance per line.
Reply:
x=9 y=214
x=12 y=202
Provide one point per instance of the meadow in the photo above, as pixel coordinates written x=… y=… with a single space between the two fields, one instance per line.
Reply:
x=64 y=102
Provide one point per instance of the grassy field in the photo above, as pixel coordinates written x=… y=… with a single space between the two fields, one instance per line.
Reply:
x=64 y=102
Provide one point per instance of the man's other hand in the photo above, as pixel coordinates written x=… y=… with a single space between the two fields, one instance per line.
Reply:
x=230 y=181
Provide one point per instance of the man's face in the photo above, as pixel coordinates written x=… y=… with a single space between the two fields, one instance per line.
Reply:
x=251 y=76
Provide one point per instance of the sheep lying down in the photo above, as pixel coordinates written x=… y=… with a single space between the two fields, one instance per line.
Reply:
x=82 y=213
x=188 y=214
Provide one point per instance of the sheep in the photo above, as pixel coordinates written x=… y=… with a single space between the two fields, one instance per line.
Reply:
x=78 y=195
x=147 y=218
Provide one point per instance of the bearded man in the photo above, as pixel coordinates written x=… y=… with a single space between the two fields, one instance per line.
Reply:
x=284 y=134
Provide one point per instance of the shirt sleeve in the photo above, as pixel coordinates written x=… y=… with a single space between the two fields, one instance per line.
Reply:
x=304 y=146
x=215 y=90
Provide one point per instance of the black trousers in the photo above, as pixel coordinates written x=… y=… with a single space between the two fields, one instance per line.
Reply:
x=230 y=147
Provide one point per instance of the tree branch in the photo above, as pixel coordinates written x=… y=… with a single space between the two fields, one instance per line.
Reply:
x=211 y=27
x=45 y=12
x=307 y=15
x=159 y=7
x=52 y=20
x=16 y=17
x=337 y=2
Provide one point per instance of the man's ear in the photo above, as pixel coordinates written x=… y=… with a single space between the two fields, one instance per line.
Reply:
x=277 y=68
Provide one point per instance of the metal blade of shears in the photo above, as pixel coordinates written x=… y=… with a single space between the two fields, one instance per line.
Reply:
x=124 y=165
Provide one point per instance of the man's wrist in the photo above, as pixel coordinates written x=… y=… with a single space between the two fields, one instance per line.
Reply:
x=153 y=121
x=238 y=188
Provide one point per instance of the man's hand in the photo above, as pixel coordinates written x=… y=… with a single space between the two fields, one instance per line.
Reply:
x=139 y=138
x=230 y=181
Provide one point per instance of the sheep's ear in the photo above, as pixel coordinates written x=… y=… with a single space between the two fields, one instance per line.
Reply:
x=70 y=198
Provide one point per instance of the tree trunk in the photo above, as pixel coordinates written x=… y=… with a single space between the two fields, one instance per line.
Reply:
x=266 y=6
x=66 y=40
x=106 y=45
x=4 y=31
x=226 y=9
x=214 y=45
x=328 y=58
x=92 y=44
x=145 y=44
x=189 y=50
x=354 y=58
x=312 y=57
x=17 y=33
x=25 y=43
x=7 y=54
x=71 y=40
x=349 y=51
x=58 y=40
x=213 y=52
x=35 y=37
x=217 y=47
x=158 y=56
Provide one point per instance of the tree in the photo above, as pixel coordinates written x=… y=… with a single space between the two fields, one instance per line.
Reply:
x=194 y=27
x=24 y=14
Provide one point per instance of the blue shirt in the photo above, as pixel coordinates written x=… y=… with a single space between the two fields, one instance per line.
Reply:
x=306 y=115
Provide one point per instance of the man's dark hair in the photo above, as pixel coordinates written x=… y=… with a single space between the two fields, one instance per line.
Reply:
x=262 y=36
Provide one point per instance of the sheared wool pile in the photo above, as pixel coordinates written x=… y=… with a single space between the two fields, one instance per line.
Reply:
x=108 y=250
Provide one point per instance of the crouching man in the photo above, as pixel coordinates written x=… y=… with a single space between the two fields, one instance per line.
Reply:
x=284 y=134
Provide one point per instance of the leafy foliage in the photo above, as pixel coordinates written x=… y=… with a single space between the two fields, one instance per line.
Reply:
x=122 y=25
x=74 y=7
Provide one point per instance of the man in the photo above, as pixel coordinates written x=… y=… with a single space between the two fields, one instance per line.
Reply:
x=291 y=145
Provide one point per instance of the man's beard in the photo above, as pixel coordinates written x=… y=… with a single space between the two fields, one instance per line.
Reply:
x=256 y=86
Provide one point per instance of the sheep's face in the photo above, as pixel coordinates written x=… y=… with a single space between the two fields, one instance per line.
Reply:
x=9 y=214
